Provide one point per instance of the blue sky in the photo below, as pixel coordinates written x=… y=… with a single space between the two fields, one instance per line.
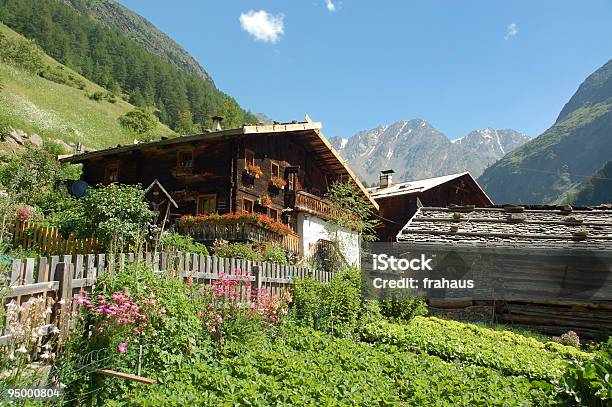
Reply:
x=354 y=65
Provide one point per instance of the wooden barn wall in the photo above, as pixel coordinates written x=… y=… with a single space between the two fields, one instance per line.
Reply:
x=210 y=175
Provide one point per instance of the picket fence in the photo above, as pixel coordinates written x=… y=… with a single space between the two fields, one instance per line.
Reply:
x=62 y=277
x=48 y=240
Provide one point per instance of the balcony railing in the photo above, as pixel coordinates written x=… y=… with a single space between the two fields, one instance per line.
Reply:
x=240 y=232
x=315 y=205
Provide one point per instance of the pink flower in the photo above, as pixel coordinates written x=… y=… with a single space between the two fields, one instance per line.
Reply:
x=122 y=347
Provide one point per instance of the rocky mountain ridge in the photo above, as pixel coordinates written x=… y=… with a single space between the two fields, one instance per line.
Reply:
x=416 y=150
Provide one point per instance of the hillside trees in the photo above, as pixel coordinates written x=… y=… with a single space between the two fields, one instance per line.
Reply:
x=111 y=59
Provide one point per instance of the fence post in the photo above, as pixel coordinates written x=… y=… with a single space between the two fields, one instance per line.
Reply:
x=257 y=273
x=64 y=276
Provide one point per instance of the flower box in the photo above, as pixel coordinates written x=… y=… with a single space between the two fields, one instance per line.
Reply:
x=278 y=183
x=253 y=171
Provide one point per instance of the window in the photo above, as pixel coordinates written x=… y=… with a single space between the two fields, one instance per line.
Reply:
x=112 y=173
x=274 y=214
x=247 y=205
x=185 y=159
x=275 y=170
x=292 y=181
x=207 y=204
x=249 y=158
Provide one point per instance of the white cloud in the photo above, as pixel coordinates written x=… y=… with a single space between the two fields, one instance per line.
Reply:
x=330 y=5
x=262 y=25
x=511 y=31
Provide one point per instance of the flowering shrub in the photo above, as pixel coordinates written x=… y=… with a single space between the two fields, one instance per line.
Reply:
x=232 y=297
x=118 y=314
x=25 y=323
x=278 y=182
x=24 y=213
x=234 y=218
x=253 y=170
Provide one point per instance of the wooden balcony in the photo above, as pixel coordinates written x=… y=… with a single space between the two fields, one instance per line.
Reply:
x=315 y=205
x=241 y=232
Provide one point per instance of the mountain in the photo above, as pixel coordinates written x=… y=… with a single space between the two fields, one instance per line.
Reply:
x=41 y=99
x=141 y=31
x=416 y=150
x=120 y=51
x=552 y=167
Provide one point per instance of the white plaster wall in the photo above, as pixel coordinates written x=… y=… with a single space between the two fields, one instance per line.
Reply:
x=311 y=229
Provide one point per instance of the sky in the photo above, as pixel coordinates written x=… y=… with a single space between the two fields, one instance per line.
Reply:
x=354 y=64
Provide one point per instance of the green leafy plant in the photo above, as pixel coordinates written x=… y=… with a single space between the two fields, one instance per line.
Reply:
x=182 y=243
x=402 y=309
x=588 y=383
x=504 y=351
x=117 y=214
x=353 y=209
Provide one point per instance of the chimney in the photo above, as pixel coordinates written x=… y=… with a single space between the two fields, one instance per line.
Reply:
x=217 y=123
x=386 y=178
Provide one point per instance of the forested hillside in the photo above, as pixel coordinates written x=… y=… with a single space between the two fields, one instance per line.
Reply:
x=49 y=101
x=184 y=101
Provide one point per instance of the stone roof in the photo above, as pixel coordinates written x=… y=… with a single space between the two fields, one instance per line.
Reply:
x=514 y=226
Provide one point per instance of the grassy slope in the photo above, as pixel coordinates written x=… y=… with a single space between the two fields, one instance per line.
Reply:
x=57 y=111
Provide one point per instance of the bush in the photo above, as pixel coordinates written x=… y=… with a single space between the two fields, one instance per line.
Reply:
x=182 y=243
x=507 y=352
x=274 y=253
x=244 y=251
x=60 y=75
x=332 y=307
x=139 y=120
x=271 y=252
x=22 y=53
x=588 y=383
x=117 y=214
x=402 y=309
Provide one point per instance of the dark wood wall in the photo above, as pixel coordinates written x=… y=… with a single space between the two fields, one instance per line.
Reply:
x=210 y=173
x=218 y=168
x=400 y=208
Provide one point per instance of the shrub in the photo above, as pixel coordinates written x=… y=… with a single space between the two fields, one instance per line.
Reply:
x=244 y=251
x=138 y=120
x=274 y=253
x=507 y=352
x=117 y=214
x=22 y=53
x=332 y=307
x=60 y=75
x=402 y=309
x=182 y=243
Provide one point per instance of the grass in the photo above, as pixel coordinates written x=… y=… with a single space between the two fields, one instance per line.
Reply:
x=56 y=111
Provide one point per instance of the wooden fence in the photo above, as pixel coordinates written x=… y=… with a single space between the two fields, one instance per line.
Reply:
x=62 y=277
x=48 y=240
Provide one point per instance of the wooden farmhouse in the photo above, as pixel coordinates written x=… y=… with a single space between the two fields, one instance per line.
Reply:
x=281 y=171
x=550 y=266
x=398 y=202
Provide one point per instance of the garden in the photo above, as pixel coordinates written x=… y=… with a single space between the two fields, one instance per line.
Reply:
x=144 y=338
